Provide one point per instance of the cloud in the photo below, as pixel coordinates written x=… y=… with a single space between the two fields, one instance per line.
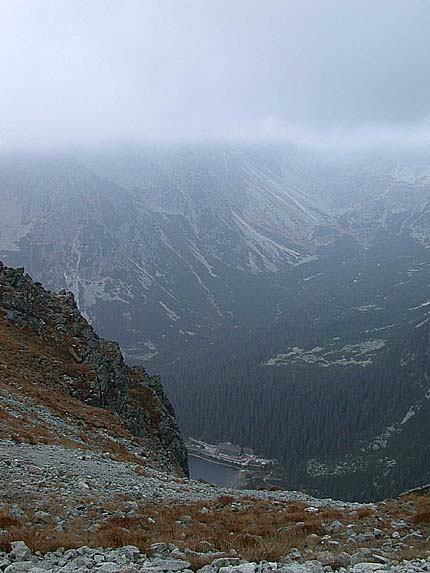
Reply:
x=79 y=72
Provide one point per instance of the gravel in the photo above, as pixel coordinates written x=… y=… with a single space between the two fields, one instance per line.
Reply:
x=33 y=469
x=129 y=559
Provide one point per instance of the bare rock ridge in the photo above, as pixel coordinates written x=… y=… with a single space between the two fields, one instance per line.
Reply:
x=65 y=355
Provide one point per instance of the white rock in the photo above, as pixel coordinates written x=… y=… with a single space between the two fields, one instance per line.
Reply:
x=109 y=567
x=245 y=568
x=367 y=567
x=19 y=567
x=20 y=551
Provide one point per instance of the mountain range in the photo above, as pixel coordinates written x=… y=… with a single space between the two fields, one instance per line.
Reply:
x=281 y=292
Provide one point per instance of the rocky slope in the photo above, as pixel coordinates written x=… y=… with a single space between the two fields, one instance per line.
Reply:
x=61 y=383
x=65 y=510
x=92 y=472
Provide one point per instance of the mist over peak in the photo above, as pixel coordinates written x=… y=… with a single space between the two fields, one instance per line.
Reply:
x=332 y=73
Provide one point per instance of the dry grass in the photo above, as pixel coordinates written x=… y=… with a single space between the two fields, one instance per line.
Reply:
x=363 y=512
x=46 y=538
x=256 y=529
x=7 y=521
x=422 y=510
x=39 y=377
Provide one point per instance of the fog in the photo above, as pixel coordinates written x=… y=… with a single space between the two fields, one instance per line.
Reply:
x=342 y=72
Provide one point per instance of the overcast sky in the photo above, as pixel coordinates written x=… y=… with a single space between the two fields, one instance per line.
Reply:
x=103 y=71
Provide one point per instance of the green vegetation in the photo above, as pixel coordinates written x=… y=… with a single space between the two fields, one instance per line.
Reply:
x=299 y=412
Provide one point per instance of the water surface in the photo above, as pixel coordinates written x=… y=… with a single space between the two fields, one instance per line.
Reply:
x=212 y=472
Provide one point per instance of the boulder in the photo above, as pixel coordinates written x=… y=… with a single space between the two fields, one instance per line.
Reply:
x=20 y=551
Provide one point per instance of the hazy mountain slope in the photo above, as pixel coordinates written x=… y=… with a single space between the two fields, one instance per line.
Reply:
x=279 y=278
x=172 y=247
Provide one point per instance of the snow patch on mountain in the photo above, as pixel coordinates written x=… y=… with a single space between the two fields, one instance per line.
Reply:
x=171 y=314
x=143 y=350
x=360 y=354
x=411 y=412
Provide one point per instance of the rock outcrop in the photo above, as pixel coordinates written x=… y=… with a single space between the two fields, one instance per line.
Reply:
x=96 y=372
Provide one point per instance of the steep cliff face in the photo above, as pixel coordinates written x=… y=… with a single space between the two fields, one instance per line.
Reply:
x=63 y=355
